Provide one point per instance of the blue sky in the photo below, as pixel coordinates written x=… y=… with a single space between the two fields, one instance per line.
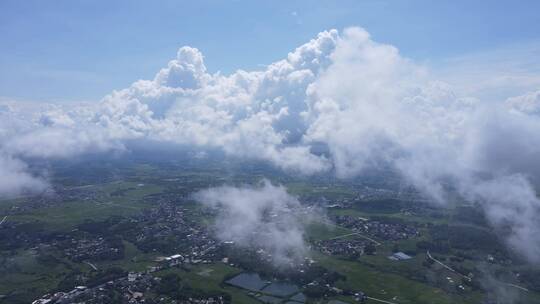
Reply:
x=82 y=50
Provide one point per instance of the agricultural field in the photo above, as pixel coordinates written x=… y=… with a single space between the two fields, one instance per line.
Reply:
x=87 y=234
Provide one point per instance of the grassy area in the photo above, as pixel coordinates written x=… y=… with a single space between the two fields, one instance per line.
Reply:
x=69 y=214
x=323 y=231
x=399 y=215
x=330 y=192
x=26 y=276
x=387 y=286
x=134 y=259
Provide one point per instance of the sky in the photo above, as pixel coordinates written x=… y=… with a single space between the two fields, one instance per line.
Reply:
x=446 y=94
x=62 y=51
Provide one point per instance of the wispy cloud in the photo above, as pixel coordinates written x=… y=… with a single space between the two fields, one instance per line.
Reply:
x=494 y=74
x=259 y=217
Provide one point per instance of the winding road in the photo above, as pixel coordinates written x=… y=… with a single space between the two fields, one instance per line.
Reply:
x=468 y=278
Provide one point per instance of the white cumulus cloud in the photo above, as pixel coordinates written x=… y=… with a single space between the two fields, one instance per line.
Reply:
x=361 y=100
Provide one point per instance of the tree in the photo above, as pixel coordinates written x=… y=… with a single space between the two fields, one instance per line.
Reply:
x=370 y=249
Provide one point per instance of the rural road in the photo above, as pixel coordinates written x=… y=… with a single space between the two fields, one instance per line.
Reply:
x=468 y=278
x=356 y=233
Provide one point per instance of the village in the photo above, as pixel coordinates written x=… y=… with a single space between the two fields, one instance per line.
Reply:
x=195 y=245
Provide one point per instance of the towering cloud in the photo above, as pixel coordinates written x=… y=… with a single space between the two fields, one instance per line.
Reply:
x=362 y=100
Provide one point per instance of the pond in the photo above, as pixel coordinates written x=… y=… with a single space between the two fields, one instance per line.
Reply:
x=299 y=297
x=269 y=299
x=280 y=289
x=249 y=281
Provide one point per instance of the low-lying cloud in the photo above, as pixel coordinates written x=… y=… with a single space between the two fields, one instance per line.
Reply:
x=362 y=100
x=16 y=179
x=259 y=217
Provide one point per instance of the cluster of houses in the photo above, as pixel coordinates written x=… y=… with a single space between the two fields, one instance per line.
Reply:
x=170 y=220
x=342 y=246
x=378 y=229
x=53 y=197
x=131 y=288
x=194 y=258
x=167 y=219
x=97 y=248
x=135 y=288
